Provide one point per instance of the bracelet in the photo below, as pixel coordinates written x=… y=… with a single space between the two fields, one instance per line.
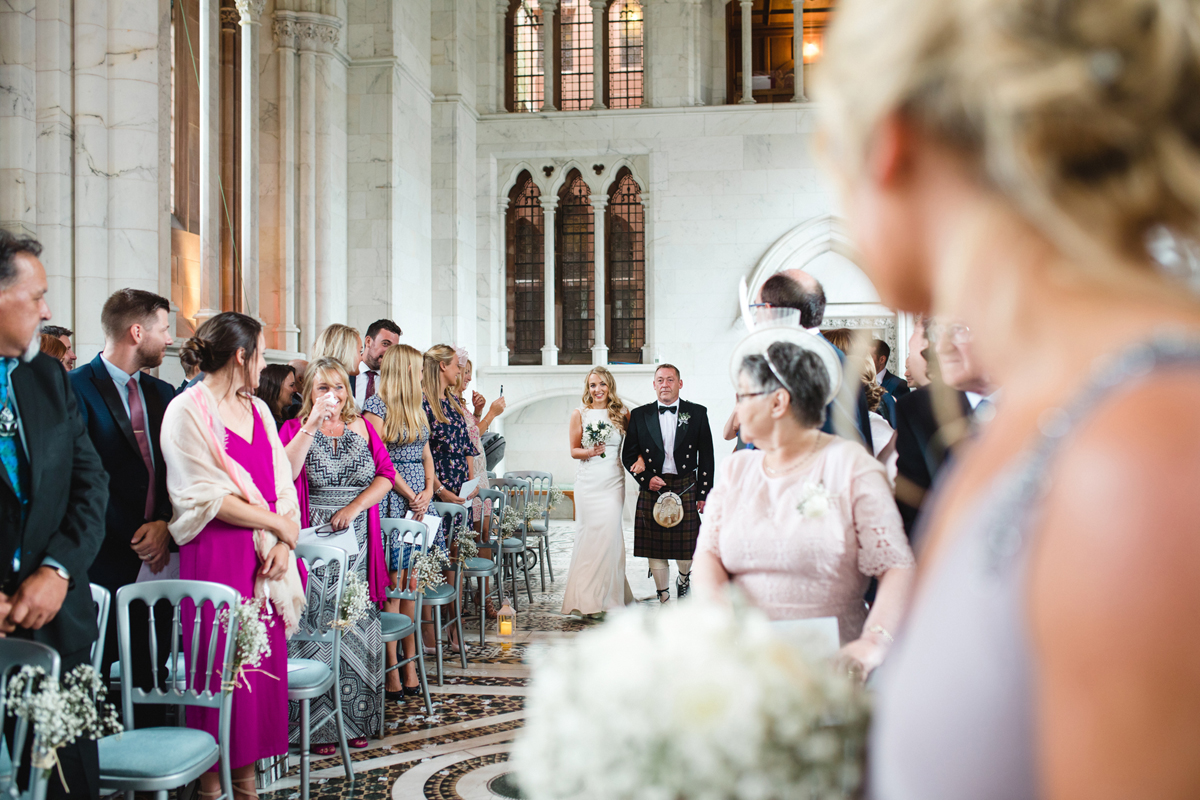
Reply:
x=882 y=632
x=306 y=433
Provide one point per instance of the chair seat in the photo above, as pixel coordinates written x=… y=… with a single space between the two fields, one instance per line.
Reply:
x=538 y=526
x=482 y=566
x=439 y=595
x=396 y=626
x=512 y=546
x=306 y=675
x=155 y=753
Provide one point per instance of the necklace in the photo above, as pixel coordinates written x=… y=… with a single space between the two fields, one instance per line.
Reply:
x=800 y=462
x=8 y=422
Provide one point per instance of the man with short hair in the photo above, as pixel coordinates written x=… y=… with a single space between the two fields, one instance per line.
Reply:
x=382 y=334
x=63 y=335
x=894 y=387
x=122 y=407
x=669 y=448
x=52 y=496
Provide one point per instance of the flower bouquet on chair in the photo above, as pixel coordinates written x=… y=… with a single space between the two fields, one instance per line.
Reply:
x=694 y=701
x=596 y=432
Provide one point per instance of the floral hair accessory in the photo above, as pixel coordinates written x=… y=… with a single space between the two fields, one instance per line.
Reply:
x=461 y=352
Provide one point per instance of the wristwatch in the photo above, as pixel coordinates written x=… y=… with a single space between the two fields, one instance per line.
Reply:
x=62 y=573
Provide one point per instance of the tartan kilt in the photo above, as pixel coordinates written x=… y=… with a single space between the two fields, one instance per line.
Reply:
x=651 y=540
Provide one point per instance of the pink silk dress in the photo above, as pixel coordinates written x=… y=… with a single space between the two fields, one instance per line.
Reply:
x=796 y=565
x=223 y=553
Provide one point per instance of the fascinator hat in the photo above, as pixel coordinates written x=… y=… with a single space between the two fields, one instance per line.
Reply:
x=766 y=330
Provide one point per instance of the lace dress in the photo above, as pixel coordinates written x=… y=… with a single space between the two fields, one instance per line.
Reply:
x=797 y=566
x=338 y=470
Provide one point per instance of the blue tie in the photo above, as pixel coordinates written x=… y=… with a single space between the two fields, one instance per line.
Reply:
x=9 y=446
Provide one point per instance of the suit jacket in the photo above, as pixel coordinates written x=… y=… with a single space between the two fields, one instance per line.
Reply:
x=923 y=447
x=839 y=418
x=894 y=385
x=67 y=492
x=109 y=428
x=693 y=445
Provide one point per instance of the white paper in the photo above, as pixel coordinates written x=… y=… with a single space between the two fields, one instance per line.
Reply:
x=468 y=489
x=323 y=534
x=169 y=573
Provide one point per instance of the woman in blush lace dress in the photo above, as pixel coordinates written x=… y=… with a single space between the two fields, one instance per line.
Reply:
x=596 y=579
x=802 y=523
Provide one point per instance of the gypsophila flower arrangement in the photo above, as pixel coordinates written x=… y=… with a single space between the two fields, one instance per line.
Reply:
x=815 y=501
x=695 y=701
x=596 y=432
x=61 y=712
x=356 y=602
x=556 y=498
x=468 y=545
x=253 y=640
x=428 y=567
x=510 y=521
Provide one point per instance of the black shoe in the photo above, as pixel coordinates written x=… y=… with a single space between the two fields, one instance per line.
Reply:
x=394 y=697
x=682 y=584
x=413 y=691
x=664 y=595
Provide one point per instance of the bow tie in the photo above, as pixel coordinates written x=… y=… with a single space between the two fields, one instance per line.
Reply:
x=665 y=409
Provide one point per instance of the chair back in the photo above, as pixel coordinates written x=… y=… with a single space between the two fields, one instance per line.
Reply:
x=540 y=484
x=410 y=536
x=517 y=493
x=498 y=499
x=103 y=601
x=326 y=571
x=221 y=598
x=14 y=654
x=454 y=516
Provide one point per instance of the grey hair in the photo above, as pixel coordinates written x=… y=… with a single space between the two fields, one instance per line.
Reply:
x=799 y=372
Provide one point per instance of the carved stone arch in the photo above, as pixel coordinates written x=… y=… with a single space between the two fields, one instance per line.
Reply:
x=611 y=171
x=804 y=244
x=514 y=173
x=561 y=171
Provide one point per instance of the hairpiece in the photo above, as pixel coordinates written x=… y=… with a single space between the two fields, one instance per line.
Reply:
x=461 y=353
x=775 y=372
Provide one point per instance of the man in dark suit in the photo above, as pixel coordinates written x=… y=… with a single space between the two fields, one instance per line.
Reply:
x=123 y=407
x=52 y=495
x=894 y=386
x=669 y=447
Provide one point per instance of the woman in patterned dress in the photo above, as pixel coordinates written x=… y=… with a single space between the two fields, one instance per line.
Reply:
x=477 y=425
x=342 y=472
x=396 y=415
x=449 y=440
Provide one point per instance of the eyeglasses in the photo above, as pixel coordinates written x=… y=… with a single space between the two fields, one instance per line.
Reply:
x=747 y=395
x=761 y=305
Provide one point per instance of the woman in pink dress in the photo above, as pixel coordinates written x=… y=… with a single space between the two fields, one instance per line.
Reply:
x=236 y=520
x=801 y=524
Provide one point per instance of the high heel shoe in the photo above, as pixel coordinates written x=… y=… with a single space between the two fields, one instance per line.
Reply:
x=412 y=691
x=394 y=697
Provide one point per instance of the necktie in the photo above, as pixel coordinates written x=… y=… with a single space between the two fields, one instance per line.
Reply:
x=8 y=436
x=137 y=418
x=370 y=385
x=665 y=409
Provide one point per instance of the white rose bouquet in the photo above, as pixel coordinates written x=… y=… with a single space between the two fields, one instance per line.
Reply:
x=695 y=701
x=596 y=432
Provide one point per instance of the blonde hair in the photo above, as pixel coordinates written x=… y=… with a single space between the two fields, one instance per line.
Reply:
x=400 y=391
x=341 y=342
x=431 y=379
x=616 y=409
x=326 y=367
x=1081 y=114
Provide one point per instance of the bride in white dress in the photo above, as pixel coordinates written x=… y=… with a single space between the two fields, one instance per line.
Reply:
x=596 y=579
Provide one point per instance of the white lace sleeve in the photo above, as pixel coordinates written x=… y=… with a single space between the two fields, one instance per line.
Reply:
x=882 y=543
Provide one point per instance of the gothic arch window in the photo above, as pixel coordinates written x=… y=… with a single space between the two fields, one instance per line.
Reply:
x=573 y=56
x=574 y=263
x=625 y=298
x=525 y=280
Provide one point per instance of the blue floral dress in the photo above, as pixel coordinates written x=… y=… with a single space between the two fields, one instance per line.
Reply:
x=450 y=444
x=410 y=467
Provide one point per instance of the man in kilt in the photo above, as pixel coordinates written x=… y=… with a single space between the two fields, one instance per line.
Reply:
x=668 y=448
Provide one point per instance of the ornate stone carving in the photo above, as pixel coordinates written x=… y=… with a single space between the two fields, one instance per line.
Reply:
x=250 y=10
x=230 y=18
x=883 y=324
x=306 y=31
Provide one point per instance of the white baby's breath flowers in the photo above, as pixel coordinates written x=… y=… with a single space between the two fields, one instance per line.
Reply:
x=253 y=640
x=61 y=712
x=429 y=566
x=815 y=501
x=596 y=432
x=695 y=701
x=356 y=601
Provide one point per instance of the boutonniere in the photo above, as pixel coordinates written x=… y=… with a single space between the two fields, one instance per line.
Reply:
x=683 y=419
x=815 y=501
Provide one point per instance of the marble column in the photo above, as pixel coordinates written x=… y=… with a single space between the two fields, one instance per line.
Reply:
x=648 y=279
x=209 y=56
x=501 y=284
x=18 y=122
x=231 y=260
x=747 y=52
x=55 y=216
x=498 y=54
x=549 y=349
x=599 y=345
x=798 y=50
x=599 y=66
x=287 y=334
x=250 y=11
x=549 y=68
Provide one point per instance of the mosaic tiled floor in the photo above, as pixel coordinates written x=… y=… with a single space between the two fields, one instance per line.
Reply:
x=463 y=747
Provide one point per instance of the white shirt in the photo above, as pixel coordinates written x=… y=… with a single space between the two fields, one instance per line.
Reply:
x=879 y=376
x=986 y=414
x=360 y=384
x=667 y=423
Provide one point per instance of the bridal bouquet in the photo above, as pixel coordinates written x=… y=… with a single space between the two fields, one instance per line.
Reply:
x=61 y=712
x=596 y=432
x=694 y=701
x=253 y=640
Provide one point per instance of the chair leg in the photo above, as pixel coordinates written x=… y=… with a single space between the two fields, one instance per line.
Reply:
x=549 y=563
x=541 y=565
x=421 y=676
x=512 y=573
x=347 y=764
x=161 y=794
x=437 y=637
x=528 y=585
x=462 y=643
x=482 y=609
x=305 y=747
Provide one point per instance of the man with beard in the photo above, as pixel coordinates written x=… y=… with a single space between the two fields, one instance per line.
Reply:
x=382 y=334
x=52 y=495
x=122 y=407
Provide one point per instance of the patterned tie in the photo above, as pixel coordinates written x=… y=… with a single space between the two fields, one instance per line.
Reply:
x=137 y=417
x=370 y=385
x=8 y=443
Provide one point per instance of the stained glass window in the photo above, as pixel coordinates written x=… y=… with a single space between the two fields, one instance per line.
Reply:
x=625 y=54
x=626 y=261
x=524 y=56
x=574 y=265
x=525 y=297
x=575 y=30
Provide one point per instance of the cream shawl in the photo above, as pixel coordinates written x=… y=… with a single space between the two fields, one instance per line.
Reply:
x=200 y=474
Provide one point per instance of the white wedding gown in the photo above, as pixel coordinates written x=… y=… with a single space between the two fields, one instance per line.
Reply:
x=596 y=579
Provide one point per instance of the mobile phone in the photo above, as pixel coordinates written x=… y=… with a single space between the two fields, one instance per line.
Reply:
x=502 y=390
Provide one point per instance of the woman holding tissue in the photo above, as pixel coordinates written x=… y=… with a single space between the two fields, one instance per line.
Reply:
x=342 y=471
x=236 y=521
x=396 y=414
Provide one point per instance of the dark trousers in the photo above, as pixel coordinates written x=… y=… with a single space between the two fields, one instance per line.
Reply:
x=80 y=762
x=144 y=716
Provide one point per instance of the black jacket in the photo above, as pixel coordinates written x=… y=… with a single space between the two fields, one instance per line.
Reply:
x=923 y=446
x=108 y=427
x=67 y=493
x=693 y=445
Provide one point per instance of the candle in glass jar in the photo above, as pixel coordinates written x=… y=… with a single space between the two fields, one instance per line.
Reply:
x=506 y=627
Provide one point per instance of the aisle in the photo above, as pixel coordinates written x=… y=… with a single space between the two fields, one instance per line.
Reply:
x=464 y=746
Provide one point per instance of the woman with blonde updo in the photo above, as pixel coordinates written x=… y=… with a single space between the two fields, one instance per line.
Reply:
x=596 y=579
x=1022 y=165
x=343 y=343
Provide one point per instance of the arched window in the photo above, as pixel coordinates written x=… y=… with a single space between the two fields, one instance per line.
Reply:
x=575 y=253
x=772 y=32
x=575 y=32
x=525 y=290
x=625 y=298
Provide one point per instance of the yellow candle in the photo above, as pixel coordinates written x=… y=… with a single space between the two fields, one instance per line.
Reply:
x=506 y=627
